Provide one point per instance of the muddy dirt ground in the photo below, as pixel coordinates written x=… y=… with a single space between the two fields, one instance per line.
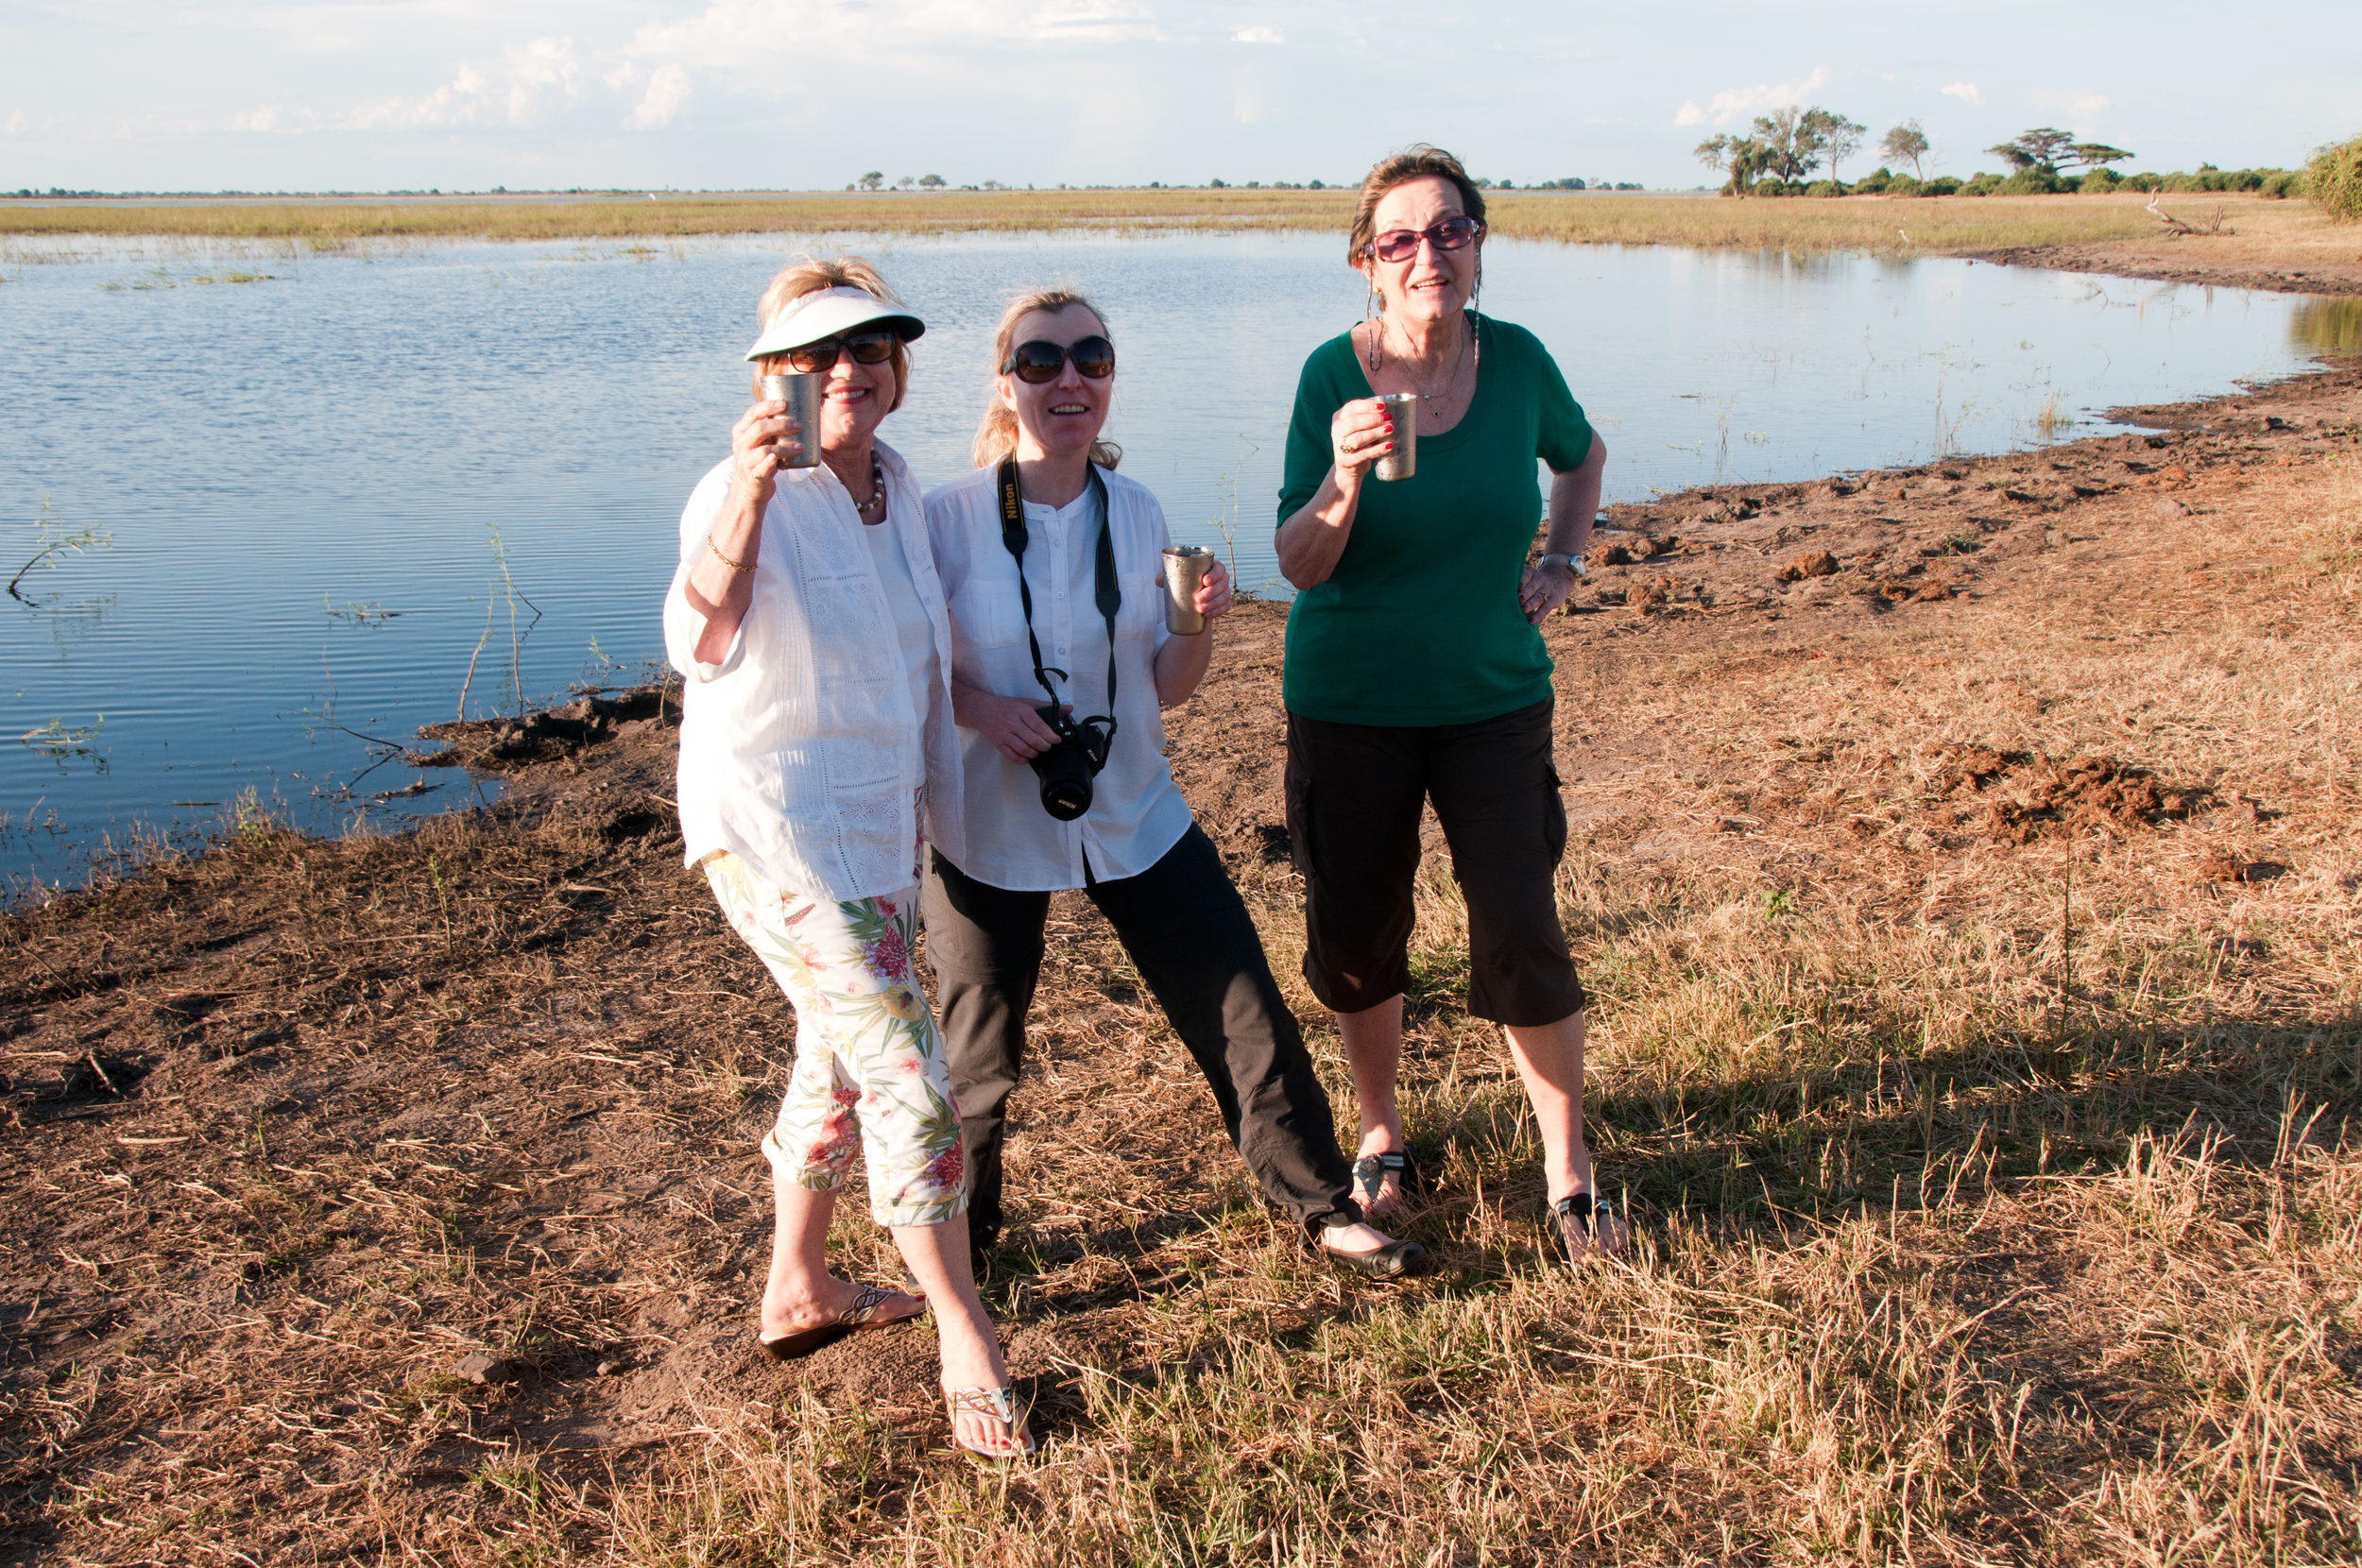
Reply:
x=337 y=1170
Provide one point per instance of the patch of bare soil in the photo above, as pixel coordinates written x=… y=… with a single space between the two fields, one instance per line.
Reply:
x=348 y=1179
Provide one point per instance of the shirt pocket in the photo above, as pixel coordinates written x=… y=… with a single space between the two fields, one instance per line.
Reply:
x=986 y=611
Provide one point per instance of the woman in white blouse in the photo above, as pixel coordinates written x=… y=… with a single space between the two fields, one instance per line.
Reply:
x=817 y=743
x=1019 y=543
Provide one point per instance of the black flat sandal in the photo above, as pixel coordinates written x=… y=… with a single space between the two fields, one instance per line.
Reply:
x=1585 y=1227
x=1371 y=1170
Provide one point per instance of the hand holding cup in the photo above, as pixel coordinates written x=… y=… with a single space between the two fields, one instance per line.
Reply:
x=1360 y=434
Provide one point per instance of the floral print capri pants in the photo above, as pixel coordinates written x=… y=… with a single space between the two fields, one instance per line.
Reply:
x=869 y=1065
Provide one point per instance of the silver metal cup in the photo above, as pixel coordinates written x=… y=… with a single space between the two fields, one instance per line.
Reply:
x=1184 y=568
x=1401 y=462
x=802 y=396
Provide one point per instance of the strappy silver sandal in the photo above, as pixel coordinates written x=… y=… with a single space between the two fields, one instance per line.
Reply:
x=997 y=1405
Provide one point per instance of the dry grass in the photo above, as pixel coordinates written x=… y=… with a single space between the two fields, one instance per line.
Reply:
x=1993 y=1209
x=1870 y=224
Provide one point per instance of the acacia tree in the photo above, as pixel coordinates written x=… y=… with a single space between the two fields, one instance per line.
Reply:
x=871 y=180
x=930 y=181
x=1742 y=158
x=1907 y=144
x=2050 y=150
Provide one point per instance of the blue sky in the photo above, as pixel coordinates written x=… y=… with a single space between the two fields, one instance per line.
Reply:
x=370 y=95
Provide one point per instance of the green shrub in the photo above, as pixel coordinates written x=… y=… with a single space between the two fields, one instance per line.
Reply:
x=2334 y=180
x=1903 y=185
x=2028 y=182
x=1824 y=188
x=2144 y=182
x=2099 y=182
x=1874 y=182
x=2282 y=183
x=1943 y=184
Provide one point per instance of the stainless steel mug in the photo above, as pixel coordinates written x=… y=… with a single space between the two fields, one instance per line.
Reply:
x=1401 y=462
x=802 y=396
x=1184 y=568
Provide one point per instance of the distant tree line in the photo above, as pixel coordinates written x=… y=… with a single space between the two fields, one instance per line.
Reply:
x=1789 y=145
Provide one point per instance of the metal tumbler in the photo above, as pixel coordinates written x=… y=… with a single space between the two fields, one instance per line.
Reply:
x=802 y=396
x=1184 y=568
x=1401 y=462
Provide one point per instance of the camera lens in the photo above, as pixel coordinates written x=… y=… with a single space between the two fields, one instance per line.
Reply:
x=1065 y=781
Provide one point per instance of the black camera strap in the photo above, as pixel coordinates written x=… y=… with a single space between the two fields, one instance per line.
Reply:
x=1108 y=595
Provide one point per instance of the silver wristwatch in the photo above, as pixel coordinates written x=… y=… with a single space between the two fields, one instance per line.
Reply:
x=1553 y=557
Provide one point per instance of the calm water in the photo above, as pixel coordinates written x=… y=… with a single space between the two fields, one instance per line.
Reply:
x=326 y=490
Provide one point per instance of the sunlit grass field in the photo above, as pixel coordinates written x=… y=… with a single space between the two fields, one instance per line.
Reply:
x=1803 y=224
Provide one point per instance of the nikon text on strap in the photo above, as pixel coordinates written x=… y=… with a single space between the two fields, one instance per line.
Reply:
x=1105 y=589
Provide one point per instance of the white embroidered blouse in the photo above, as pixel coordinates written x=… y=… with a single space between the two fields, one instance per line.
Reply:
x=803 y=751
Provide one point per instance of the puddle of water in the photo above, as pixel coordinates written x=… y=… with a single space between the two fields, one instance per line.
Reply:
x=312 y=492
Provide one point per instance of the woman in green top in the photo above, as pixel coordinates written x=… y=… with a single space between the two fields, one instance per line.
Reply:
x=1415 y=672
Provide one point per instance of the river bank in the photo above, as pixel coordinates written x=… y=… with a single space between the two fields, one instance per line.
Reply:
x=1968 y=879
x=2274 y=245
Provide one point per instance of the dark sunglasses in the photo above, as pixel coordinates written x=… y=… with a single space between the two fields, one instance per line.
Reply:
x=1401 y=245
x=1037 y=362
x=865 y=347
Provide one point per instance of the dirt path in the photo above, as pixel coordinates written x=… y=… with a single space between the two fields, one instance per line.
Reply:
x=376 y=1200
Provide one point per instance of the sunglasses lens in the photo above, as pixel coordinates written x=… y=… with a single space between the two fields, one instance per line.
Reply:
x=1095 y=357
x=871 y=347
x=1034 y=363
x=1401 y=245
x=812 y=358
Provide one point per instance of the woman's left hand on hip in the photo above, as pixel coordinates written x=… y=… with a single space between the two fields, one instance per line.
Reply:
x=1213 y=592
x=1543 y=589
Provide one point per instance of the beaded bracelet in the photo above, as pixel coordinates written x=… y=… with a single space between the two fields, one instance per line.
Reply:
x=734 y=566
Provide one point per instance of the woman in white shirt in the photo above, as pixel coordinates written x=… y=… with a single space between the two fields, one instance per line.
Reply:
x=1081 y=592
x=817 y=743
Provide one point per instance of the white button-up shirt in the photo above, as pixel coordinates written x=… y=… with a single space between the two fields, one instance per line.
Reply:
x=1136 y=812
x=804 y=751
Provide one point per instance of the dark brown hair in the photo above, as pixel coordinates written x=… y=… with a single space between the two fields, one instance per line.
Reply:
x=1416 y=162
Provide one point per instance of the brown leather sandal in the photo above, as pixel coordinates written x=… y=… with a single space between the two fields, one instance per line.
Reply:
x=862 y=1314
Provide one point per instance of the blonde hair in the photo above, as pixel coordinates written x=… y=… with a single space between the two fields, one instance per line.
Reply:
x=996 y=437
x=1416 y=162
x=810 y=276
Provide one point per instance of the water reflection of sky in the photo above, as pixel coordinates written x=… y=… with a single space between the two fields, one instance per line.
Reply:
x=312 y=481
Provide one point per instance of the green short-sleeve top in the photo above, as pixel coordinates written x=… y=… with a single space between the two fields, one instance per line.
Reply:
x=1419 y=624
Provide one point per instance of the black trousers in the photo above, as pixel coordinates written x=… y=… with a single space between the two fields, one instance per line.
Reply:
x=1187 y=932
x=1354 y=794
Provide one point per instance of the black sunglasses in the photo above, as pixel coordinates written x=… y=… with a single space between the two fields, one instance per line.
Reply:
x=865 y=347
x=1037 y=362
x=1401 y=245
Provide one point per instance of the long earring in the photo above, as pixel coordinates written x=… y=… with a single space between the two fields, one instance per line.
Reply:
x=1373 y=311
x=1476 y=335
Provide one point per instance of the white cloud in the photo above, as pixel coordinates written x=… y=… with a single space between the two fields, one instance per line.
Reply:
x=1258 y=35
x=668 y=89
x=520 y=90
x=1733 y=102
x=263 y=119
x=1964 y=91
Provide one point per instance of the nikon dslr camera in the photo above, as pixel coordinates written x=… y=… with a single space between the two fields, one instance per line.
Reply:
x=1066 y=769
